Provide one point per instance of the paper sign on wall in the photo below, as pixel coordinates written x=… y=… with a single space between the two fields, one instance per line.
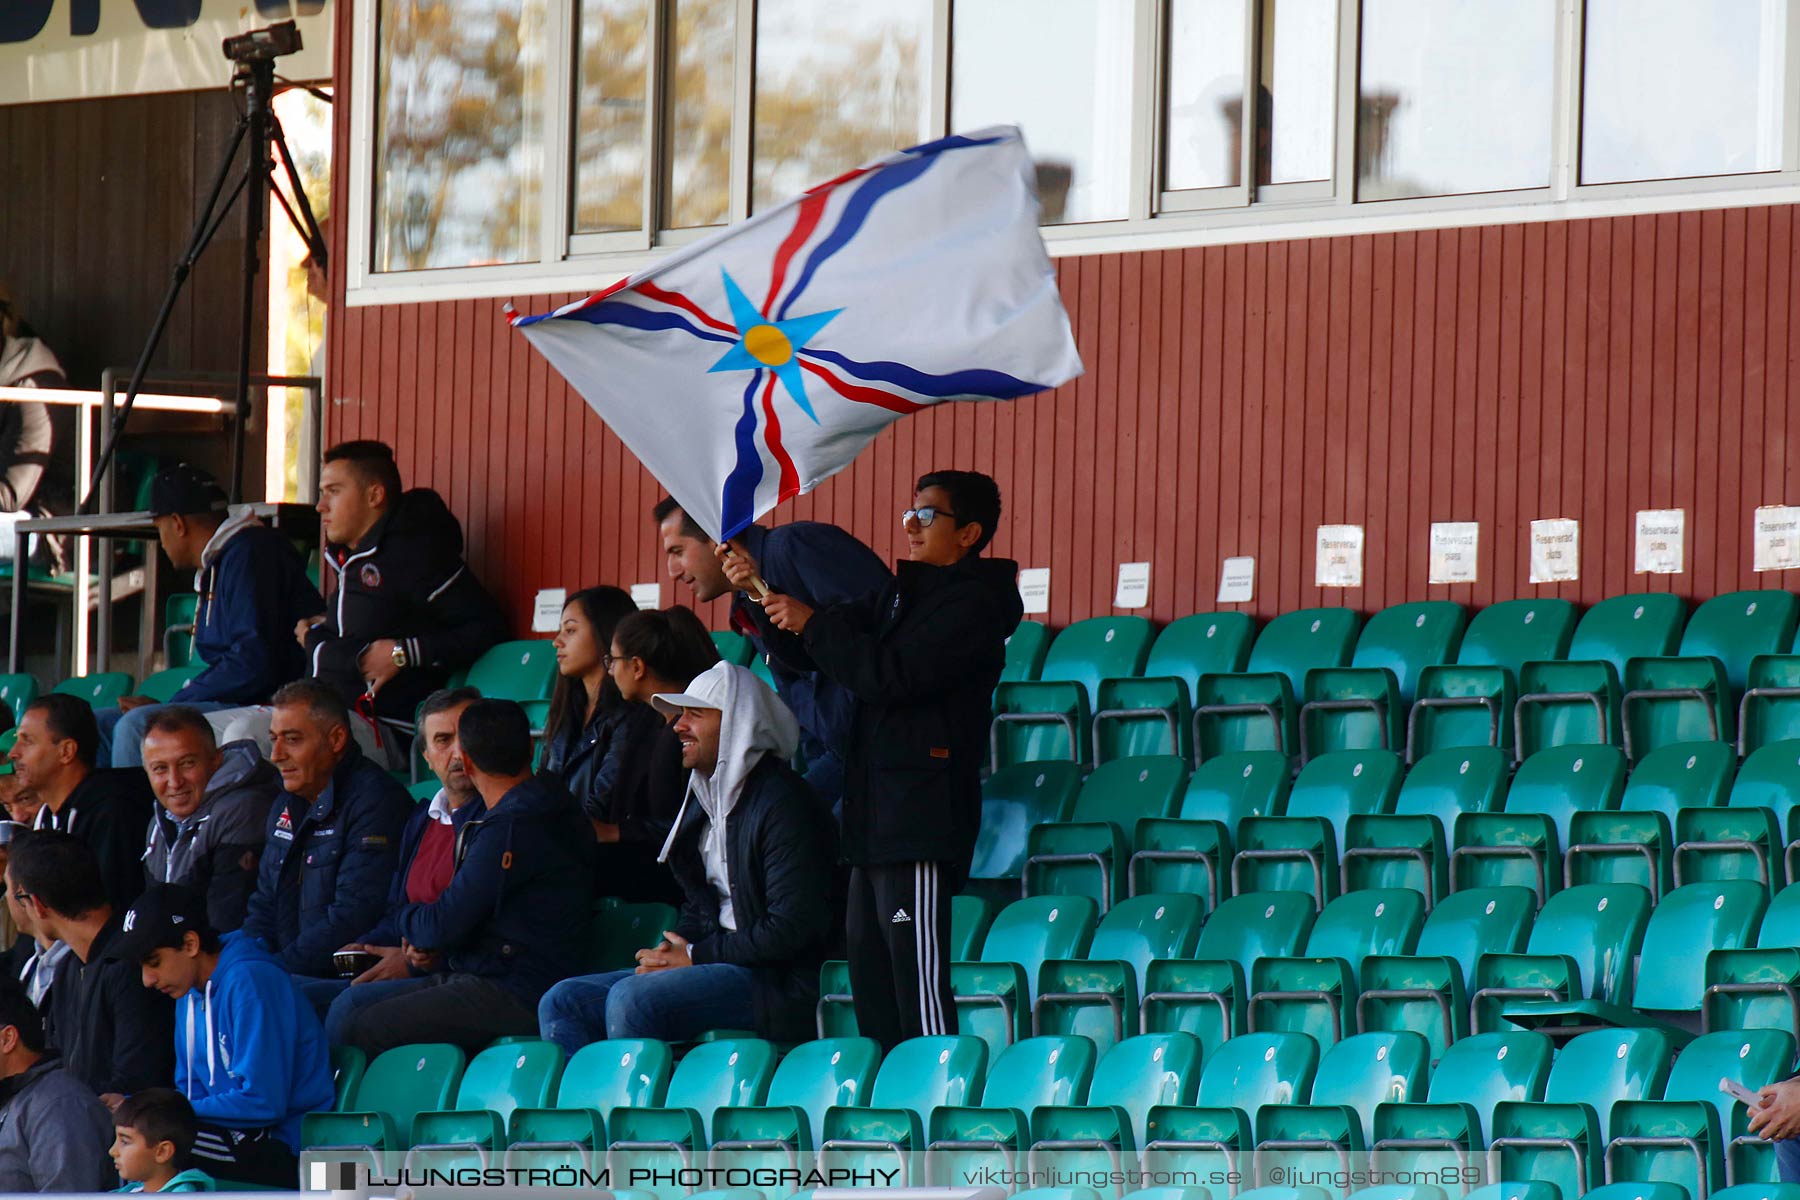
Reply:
x=1556 y=550
x=1340 y=556
x=1661 y=541
x=646 y=595
x=1034 y=589
x=1777 y=538
x=1134 y=586
x=546 y=611
x=1237 y=581
x=1455 y=550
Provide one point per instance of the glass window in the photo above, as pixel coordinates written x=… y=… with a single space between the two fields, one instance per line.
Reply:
x=1205 y=122
x=1296 y=101
x=704 y=36
x=1675 y=88
x=1454 y=97
x=610 y=95
x=458 y=160
x=1066 y=82
x=836 y=85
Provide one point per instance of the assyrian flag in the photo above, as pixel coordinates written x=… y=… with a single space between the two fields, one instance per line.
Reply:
x=754 y=365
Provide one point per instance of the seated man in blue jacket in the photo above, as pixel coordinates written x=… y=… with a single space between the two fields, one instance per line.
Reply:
x=249 y=1054
x=427 y=859
x=333 y=839
x=253 y=591
x=818 y=563
x=514 y=918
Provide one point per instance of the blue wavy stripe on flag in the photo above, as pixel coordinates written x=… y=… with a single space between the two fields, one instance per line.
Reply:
x=850 y=221
x=997 y=385
x=737 y=505
x=612 y=312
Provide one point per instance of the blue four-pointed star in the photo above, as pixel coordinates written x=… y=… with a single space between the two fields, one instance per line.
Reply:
x=771 y=345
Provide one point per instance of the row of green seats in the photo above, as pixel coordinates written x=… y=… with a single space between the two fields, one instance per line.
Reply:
x=101 y=690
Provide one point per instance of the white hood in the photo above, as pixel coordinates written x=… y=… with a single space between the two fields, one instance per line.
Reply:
x=755 y=722
x=21 y=358
x=237 y=519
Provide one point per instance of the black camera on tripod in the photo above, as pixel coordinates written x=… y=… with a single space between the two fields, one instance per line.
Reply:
x=264 y=45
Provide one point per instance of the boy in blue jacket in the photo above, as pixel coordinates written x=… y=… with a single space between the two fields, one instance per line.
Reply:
x=249 y=1053
x=253 y=592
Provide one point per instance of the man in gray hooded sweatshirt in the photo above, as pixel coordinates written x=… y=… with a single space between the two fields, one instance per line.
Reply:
x=212 y=809
x=753 y=850
x=53 y=1129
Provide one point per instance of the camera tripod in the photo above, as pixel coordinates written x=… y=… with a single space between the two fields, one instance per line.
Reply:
x=258 y=128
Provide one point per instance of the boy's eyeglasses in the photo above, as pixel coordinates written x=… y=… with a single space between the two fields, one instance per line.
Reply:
x=924 y=516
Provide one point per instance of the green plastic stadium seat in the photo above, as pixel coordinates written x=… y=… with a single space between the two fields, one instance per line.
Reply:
x=1759 y=987
x=515 y=671
x=1240 y=1080
x=1470 y=702
x=970 y=917
x=1694 y=1133
x=1189 y=851
x=600 y=1078
x=1257 y=708
x=918 y=1076
x=619 y=932
x=1154 y=714
x=1515 y=1190
x=1025 y=651
x=16 y=691
x=1522 y=844
x=1634 y=844
x=1769 y=710
x=1410 y=846
x=348 y=1066
x=1364 y=706
x=1428 y=989
x=733 y=647
x=1199 y=1193
x=1636 y=1191
x=1305 y=1191
x=1354 y=1077
x=1087 y=854
x=1560 y=1139
x=1751 y=837
x=1472 y=1079
x=1097 y=996
x=1581 y=948
x=400 y=1083
x=994 y=994
x=1576 y=702
x=1758 y=1191
x=1027 y=1075
x=813 y=1077
x=502 y=1078
x=1049 y=717
x=1316 y=994
x=759 y=667
x=731 y=1073
x=1015 y=800
x=424 y=790
x=100 y=690
x=1130 y=1081
x=1298 y=851
x=1400 y=1191
x=162 y=685
x=1206 y=995
x=178 y=628
x=1693 y=695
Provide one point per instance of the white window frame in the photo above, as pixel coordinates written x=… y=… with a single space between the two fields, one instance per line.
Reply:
x=1156 y=220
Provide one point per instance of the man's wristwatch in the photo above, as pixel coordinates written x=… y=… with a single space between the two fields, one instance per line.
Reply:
x=400 y=656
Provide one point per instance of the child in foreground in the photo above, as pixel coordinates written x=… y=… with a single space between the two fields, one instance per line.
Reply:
x=154 y=1142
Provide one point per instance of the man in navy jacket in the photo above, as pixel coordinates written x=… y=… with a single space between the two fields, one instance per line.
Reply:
x=253 y=591
x=514 y=918
x=333 y=838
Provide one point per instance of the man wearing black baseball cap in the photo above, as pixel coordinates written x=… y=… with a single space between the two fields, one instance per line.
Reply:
x=253 y=591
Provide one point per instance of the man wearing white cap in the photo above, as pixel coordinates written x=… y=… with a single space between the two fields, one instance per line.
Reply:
x=752 y=849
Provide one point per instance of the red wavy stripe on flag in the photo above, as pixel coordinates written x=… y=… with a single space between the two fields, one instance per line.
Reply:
x=651 y=291
x=860 y=394
x=806 y=219
x=790 y=478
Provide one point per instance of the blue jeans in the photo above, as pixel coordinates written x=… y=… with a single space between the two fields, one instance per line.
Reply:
x=1787 y=1160
x=122 y=733
x=352 y=1000
x=675 y=1005
x=320 y=992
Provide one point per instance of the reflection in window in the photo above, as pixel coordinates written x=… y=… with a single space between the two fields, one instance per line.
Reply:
x=609 y=115
x=1205 y=121
x=704 y=33
x=836 y=85
x=1676 y=88
x=457 y=160
x=1066 y=82
x=1296 y=102
x=1454 y=97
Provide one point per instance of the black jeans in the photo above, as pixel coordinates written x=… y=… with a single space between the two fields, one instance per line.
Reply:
x=898 y=927
x=465 y=1010
x=246 y=1156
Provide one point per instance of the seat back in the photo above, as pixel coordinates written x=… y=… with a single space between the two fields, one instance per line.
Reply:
x=408 y=1080
x=1201 y=644
x=1334 y=786
x=1256 y=925
x=1766 y=779
x=1514 y=632
x=970 y=917
x=511 y=1075
x=1367 y=1069
x=617 y=1073
x=161 y=686
x=616 y=934
x=101 y=690
x=1605 y=1065
x=1684 y=775
x=1014 y=800
x=1141 y=1072
x=1457 y=780
x=1688 y=924
x=1372 y=921
x=1038 y=927
x=1254 y=1069
x=1467 y=924
x=1156 y=925
x=1781 y=921
x=1245 y=783
x=1625 y=627
x=1294 y=643
x=1025 y=651
x=1407 y=638
x=1600 y=927
x=924 y=1072
x=733 y=648
x=729 y=1073
x=1751 y=1057
x=523 y=670
x=1036 y=1071
x=822 y=1074
x=1098 y=648
x=1126 y=789
x=1560 y=781
x=17 y=691
x=1737 y=626
x=1486 y=1068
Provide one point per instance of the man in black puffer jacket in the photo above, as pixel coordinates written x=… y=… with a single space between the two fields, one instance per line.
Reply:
x=921 y=662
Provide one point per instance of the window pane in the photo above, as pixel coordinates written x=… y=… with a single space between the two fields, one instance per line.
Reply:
x=1066 y=82
x=700 y=91
x=1206 y=94
x=609 y=115
x=1454 y=97
x=836 y=85
x=1299 y=78
x=1674 y=88
x=458 y=160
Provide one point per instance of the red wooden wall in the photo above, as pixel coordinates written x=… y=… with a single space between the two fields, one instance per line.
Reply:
x=1236 y=398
